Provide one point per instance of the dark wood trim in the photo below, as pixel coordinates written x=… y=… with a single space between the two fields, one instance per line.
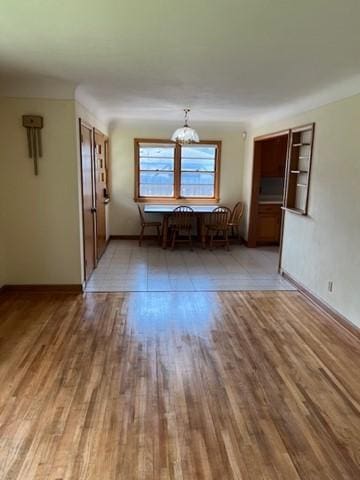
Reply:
x=310 y=167
x=137 y=169
x=89 y=127
x=80 y=124
x=282 y=226
x=85 y=123
x=107 y=165
x=255 y=182
x=176 y=199
x=347 y=324
x=38 y=288
x=217 y=171
x=177 y=174
x=269 y=136
x=154 y=140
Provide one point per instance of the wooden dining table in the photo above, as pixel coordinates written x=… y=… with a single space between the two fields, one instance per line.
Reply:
x=166 y=210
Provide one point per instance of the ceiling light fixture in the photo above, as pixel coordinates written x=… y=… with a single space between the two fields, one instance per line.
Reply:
x=185 y=134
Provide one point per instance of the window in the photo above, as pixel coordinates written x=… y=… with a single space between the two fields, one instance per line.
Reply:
x=171 y=172
x=156 y=170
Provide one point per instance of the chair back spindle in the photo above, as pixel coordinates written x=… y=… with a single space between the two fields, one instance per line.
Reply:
x=181 y=222
x=182 y=217
x=141 y=215
x=237 y=213
x=220 y=217
x=144 y=224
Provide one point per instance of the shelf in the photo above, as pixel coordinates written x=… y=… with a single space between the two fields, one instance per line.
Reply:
x=298 y=211
x=299 y=163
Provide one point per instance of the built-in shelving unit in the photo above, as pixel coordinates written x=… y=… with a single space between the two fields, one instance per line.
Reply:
x=299 y=168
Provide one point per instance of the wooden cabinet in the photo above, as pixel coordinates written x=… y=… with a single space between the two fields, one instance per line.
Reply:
x=273 y=157
x=270 y=154
x=268 y=224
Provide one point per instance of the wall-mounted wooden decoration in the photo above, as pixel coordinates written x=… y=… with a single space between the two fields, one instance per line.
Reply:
x=33 y=125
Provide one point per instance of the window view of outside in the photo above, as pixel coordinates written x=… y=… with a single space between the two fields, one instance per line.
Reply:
x=197 y=171
x=157 y=171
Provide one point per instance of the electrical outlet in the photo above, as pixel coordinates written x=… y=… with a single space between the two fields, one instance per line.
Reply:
x=330 y=286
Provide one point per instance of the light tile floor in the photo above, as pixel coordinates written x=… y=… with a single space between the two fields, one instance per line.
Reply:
x=126 y=267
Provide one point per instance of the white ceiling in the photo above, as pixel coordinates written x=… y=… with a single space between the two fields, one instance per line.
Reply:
x=230 y=60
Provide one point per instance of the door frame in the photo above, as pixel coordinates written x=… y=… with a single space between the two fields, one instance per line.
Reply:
x=83 y=123
x=96 y=131
x=255 y=189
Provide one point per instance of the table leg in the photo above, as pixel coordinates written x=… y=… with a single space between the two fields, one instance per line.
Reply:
x=202 y=232
x=198 y=227
x=165 y=227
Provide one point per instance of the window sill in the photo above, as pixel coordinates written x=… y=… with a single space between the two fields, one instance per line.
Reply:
x=177 y=201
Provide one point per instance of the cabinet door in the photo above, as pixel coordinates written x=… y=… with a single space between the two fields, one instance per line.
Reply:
x=273 y=157
x=268 y=224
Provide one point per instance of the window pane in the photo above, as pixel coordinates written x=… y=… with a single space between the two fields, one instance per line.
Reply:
x=156 y=184
x=157 y=151
x=156 y=158
x=197 y=184
x=197 y=158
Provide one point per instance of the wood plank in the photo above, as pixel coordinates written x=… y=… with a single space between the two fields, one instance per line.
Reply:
x=250 y=385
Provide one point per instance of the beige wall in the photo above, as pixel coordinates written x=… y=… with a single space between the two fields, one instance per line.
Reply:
x=85 y=114
x=123 y=211
x=40 y=224
x=325 y=245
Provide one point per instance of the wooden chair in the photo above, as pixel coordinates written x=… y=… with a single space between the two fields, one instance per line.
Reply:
x=181 y=223
x=217 y=224
x=235 y=219
x=144 y=224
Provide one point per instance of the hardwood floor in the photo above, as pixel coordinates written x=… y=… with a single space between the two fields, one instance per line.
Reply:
x=215 y=386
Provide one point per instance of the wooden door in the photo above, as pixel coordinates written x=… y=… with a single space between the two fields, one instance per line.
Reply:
x=258 y=173
x=100 y=191
x=273 y=156
x=268 y=224
x=88 y=199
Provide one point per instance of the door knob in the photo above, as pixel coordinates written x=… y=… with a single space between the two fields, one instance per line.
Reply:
x=93 y=210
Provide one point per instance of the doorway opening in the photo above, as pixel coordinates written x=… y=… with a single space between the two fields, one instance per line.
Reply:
x=268 y=191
